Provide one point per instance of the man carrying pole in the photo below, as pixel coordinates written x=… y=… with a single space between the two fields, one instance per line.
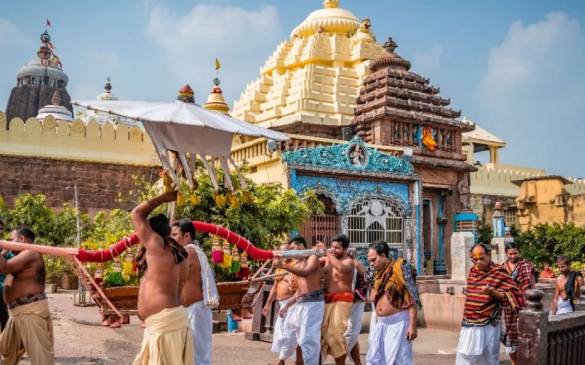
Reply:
x=167 y=337
x=308 y=300
x=29 y=328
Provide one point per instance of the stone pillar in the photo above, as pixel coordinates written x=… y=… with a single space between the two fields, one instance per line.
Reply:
x=532 y=325
x=498 y=249
x=461 y=243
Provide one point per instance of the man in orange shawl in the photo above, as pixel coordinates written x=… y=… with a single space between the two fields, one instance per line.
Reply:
x=489 y=288
x=395 y=302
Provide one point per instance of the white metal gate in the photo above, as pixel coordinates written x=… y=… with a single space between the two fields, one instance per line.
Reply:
x=373 y=219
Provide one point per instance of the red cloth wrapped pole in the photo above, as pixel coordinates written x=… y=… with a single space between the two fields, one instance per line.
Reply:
x=109 y=253
x=115 y=250
x=235 y=239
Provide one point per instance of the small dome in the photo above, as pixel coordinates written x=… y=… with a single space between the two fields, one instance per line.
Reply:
x=329 y=19
x=107 y=94
x=215 y=100
x=55 y=109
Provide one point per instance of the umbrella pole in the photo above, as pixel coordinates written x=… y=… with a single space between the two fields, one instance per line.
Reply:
x=172 y=205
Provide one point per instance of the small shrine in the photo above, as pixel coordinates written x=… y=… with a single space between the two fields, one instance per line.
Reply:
x=370 y=195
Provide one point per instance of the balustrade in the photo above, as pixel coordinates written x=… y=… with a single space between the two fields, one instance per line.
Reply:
x=554 y=339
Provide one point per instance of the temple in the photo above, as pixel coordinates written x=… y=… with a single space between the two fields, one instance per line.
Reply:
x=36 y=84
x=310 y=83
x=376 y=141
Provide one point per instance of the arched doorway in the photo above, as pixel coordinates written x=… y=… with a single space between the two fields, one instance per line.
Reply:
x=372 y=219
x=325 y=226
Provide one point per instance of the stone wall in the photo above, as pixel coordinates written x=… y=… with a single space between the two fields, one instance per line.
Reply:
x=98 y=184
x=51 y=156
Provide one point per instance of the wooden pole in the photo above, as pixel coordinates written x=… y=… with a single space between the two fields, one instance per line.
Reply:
x=46 y=250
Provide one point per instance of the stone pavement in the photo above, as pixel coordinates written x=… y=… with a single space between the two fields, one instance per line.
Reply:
x=79 y=339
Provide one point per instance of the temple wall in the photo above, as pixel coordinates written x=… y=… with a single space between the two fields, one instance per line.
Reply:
x=77 y=141
x=50 y=157
x=100 y=185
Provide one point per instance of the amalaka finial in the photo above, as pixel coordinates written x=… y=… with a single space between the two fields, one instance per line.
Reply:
x=108 y=86
x=390 y=45
x=330 y=4
x=186 y=94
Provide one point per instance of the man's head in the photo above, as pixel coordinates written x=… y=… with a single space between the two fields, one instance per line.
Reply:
x=297 y=243
x=320 y=246
x=512 y=252
x=339 y=245
x=160 y=224
x=546 y=264
x=183 y=231
x=481 y=256
x=378 y=254
x=22 y=234
x=564 y=265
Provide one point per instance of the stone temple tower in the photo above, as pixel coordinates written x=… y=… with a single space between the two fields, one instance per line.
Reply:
x=36 y=83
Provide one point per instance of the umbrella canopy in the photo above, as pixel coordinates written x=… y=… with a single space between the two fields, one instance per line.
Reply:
x=187 y=131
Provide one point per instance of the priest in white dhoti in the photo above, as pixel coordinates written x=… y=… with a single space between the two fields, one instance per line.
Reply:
x=489 y=289
x=395 y=302
x=199 y=294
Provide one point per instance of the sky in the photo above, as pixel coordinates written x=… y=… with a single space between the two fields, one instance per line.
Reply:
x=513 y=67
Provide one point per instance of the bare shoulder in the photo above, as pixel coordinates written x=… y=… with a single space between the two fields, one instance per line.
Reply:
x=349 y=261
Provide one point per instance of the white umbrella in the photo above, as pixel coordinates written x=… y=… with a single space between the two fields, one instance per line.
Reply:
x=187 y=129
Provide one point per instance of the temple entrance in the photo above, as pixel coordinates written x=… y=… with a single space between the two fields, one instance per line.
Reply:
x=427 y=236
x=373 y=219
x=322 y=227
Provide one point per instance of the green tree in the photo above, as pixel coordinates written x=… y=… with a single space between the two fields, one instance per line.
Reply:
x=546 y=241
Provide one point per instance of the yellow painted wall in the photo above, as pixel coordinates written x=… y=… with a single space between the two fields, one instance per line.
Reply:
x=547 y=201
x=76 y=140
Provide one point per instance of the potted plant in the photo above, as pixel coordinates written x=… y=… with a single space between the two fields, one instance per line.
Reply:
x=53 y=272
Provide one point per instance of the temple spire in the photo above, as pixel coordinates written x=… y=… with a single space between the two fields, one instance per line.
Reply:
x=330 y=4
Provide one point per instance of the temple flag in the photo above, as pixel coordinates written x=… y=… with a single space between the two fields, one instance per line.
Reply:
x=48 y=23
x=217 y=64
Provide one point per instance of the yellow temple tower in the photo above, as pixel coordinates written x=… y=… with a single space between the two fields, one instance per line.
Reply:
x=310 y=84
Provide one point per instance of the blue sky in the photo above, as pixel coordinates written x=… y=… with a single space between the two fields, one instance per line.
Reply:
x=515 y=67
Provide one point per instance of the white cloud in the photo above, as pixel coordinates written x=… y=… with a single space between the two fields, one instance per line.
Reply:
x=533 y=91
x=531 y=53
x=190 y=42
x=428 y=63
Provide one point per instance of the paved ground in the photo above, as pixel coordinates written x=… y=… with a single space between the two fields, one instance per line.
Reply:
x=79 y=340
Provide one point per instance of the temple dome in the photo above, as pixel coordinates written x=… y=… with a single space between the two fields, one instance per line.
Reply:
x=215 y=100
x=314 y=76
x=330 y=19
x=45 y=64
x=107 y=94
x=55 y=109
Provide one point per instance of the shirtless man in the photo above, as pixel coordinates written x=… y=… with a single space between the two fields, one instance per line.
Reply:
x=167 y=338
x=308 y=300
x=199 y=294
x=339 y=273
x=395 y=310
x=284 y=338
x=24 y=291
x=567 y=286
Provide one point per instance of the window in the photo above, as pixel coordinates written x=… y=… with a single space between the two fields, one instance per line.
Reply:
x=510 y=217
x=375 y=219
